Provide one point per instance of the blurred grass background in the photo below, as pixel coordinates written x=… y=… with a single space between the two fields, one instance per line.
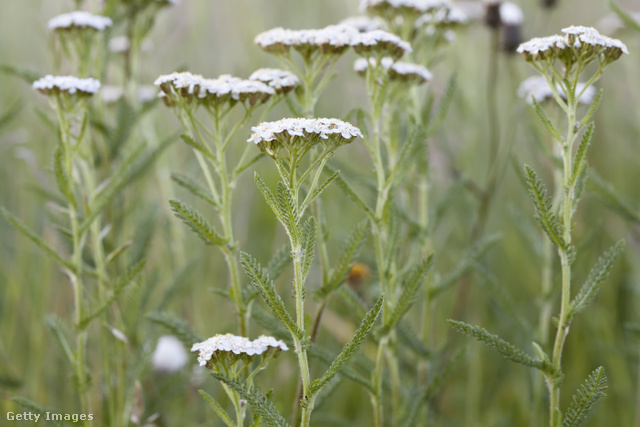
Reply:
x=216 y=37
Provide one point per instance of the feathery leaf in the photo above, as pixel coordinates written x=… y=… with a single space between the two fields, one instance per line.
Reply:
x=579 y=161
x=194 y=188
x=543 y=208
x=178 y=327
x=197 y=223
x=593 y=389
x=217 y=408
x=546 y=121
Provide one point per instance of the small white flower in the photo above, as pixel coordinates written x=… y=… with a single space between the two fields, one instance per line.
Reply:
x=280 y=80
x=591 y=36
x=365 y=23
x=537 y=87
x=119 y=44
x=237 y=345
x=379 y=41
x=80 y=19
x=443 y=16
x=543 y=44
x=403 y=71
x=66 y=84
x=169 y=355
x=331 y=39
x=511 y=14
x=269 y=131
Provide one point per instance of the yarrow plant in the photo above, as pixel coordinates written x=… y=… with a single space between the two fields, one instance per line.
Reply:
x=561 y=59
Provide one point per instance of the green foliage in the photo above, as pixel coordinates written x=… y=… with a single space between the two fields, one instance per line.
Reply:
x=628 y=20
x=580 y=159
x=355 y=198
x=58 y=331
x=309 y=236
x=32 y=406
x=349 y=250
x=178 y=327
x=279 y=262
x=197 y=223
x=259 y=403
x=597 y=276
x=62 y=179
x=443 y=373
x=217 y=408
x=200 y=147
x=350 y=348
x=317 y=352
x=593 y=389
x=547 y=121
x=410 y=287
x=612 y=198
x=509 y=351
x=592 y=108
x=318 y=191
x=287 y=207
x=268 y=196
x=259 y=278
x=130 y=276
x=443 y=106
x=35 y=239
x=194 y=187
x=543 y=208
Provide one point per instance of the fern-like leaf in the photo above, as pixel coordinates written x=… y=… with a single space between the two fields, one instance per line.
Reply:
x=543 y=208
x=350 y=348
x=259 y=403
x=33 y=407
x=260 y=280
x=508 y=350
x=593 y=389
x=355 y=198
x=197 y=223
x=318 y=191
x=410 y=288
x=198 y=146
x=177 y=326
x=597 y=276
x=279 y=261
x=217 y=408
x=286 y=205
x=194 y=188
x=546 y=121
x=580 y=159
x=309 y=236
x=322 y=354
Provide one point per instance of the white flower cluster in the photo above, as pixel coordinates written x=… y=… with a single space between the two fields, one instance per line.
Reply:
x=379 y=40
x=236 y=345
x=80 y=19
x=420 y=6
x=445 y=16
x=270 y=131
x=280 y=80
x=337 y=37
x=404 y=71
x=365 y=23
x=591 y=36
x=169 y=355
x=585 y=42
x=537 y=87
x=511 y=14
x=331 y=39
x=66 y=84
x=186 y=84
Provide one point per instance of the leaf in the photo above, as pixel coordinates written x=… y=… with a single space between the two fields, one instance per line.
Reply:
x=350 y=348
x=197 y=223
x=287 y=207
x=309 y=236
x=612 y=198
x=322 y=354
x=178 y=327
x=259 y=403
x=474 y=254
x=593 y=389
x=260 y=280
x=200 y=147
x=443 y=373
x=268 y=195
x=31 y=406
x=546 y=121
x=350 y=192
x=597 y=276
x=61 y=337
x=28 y=76
x=508 y=350
x=406 y=156
x=243 y=167
x=592 y=108
x=217 y=408
x=37 y=240
x=130 y=276
x=309 y=199
x=625 y=16
x=279 y=261
x=543 y=207
x=410 y=338
x=194 y=188
x=579 y=161
x=349 y=250
x=410 y=287
x=12 y=112
x=443 y=107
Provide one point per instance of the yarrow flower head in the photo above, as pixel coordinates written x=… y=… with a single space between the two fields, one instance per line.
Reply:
x=291 y=133
x=169 y=355
x=590 y=41
x=228 y=349
x=537 y=88
x=189 y=87
x=66 y=85
x=380 y=43
x=443 y=17
x=399 y=71
x=334 y=39
x=79 y=20
x=390 y=7
x=280 y=80
x=365 y=23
